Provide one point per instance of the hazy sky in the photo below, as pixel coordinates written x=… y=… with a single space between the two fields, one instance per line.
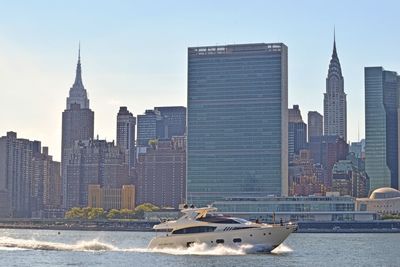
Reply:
x=135 y=53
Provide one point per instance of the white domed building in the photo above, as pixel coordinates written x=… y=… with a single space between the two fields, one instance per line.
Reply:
x=383 y=200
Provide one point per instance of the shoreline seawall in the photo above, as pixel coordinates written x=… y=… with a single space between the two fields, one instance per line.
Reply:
x=382 y=226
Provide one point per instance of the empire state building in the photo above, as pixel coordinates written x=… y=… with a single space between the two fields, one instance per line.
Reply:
x=335 y=107
x=77 y=124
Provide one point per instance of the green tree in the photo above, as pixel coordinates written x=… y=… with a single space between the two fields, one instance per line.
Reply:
x=146 y=207
x=113 y=214
x=127 y=214
x=153 y=143
x=95 y=213
x=74 y=213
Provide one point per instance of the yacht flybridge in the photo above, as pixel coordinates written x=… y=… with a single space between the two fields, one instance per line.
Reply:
x=203 y=225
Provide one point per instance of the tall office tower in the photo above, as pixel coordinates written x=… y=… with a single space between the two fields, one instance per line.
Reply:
x=327 y=150
x=161 y=173
x=297 y=132
x=77 y=121
x=16 y=175
x=46 y=183
x=382 y=92
x=237 y=140
x=335 y=106
x=149 y=126
x=315 y=124
x=174 y=121
x=93 y=162
x=126 y=125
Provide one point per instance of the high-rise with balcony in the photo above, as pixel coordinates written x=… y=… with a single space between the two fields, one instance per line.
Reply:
x=237 y=141
x=77 y=122
x=335 y=106
x=382 y=92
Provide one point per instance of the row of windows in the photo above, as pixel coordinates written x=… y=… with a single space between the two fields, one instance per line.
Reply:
x=194 y=230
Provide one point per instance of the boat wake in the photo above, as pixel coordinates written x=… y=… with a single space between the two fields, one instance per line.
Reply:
x=220 y=250
x=8 y=243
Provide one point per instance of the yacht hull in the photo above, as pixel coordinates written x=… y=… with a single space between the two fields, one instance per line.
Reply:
x=263 y=239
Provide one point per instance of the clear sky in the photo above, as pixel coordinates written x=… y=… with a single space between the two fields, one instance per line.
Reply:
x=134 y=53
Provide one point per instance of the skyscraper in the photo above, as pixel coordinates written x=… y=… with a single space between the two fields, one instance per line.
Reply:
x=149 y=126
x=297 y=132
x=16 y=173
x=77 y=121
x=382 y=92
x=161 y=173
x=174 y=121
x=237 y=140
x=335 y=106
x=93 y=162
x=46 y=183
x=315 y=124
x=126 y=125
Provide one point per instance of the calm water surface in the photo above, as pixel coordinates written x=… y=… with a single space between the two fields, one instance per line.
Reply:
x=85 y=248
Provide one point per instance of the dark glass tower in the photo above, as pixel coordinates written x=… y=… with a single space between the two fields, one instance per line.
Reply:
x=382 y=92
x=237 y=141
x=335 y=106
x=174 y=121
x=77 y=121
x=149 y=126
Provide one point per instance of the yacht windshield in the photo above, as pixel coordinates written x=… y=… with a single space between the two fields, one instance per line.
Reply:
x=240 y=220
x=194 y=230
x=221 y=219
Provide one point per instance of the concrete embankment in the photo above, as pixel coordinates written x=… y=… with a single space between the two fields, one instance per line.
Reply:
x=381 y=226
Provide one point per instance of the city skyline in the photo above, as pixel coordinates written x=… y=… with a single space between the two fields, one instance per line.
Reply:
x=38 y=61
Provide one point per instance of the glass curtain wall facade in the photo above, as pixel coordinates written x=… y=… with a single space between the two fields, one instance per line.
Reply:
x=149 y=126
x=174 y=121
x=237 y=122
x=381 y=127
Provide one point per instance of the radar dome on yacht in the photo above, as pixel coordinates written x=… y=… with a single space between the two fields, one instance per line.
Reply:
x=385 y=193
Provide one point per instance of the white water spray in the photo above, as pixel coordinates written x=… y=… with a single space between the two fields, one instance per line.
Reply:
x=8 y=243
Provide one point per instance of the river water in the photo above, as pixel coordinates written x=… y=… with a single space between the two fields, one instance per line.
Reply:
x=93 y=248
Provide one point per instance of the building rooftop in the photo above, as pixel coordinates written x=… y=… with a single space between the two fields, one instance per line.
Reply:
x=236 y=48
x=385 y=193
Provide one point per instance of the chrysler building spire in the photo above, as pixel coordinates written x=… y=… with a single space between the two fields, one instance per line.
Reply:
x=77 y=93
x=334 y=53
x=335 y=106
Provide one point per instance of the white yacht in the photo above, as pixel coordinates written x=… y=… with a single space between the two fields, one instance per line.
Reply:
x=203 y=225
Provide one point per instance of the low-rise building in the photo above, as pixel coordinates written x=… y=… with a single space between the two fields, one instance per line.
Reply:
x=111 y=198
x=384 y=200
x=310 y=208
